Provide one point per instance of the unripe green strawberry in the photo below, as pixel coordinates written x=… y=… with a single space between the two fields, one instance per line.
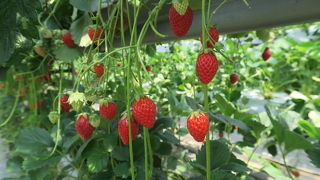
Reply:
x=77 y=100
x=83 y=126
x=54 y=116
x=198 y=125
x=206 y=67
x=123 y=129
x=144 y=112
x=94 y=120
x=45 y=32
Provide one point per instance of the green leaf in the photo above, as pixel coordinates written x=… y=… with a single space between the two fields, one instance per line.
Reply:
x=314 y=156
x=122 y=170
x=182 y=131
x=121 y=153
x=40 y=174
x=232 y=121
x=291 y=118
x=7 y=29
x=79 y=29
x=192 y=103
x=33 y=141
x=222 y=175
x=32 y=163
x=14 y=165
x=66 y=54
x=97 y=160
x=69 y=141
x=295 y=141
x=28 y=8
x=110 y=141
x=235 y=167
x=224 y=105
x=164 y=149
x=310 y=129
x=168 y=137
x=220 y=154
x=82 y=148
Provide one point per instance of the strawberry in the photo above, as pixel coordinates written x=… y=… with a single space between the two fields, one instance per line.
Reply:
x=40 y=50
x=148 y=68
x=108 y=110
x=93 y=34
x=214 y=37
x=144 y=112
x=64 y=103
x=206 y=67
x=295 y=173
x=83 y=127
x=233 y=78
x=180 y=23
x=123 y=129
x=266 y=54
x=67 y=39
x=198 y=125
x=236 y=127
x=54 y=116
x=221 y=135
x=2 y=85
x=19 y=77
x=23 y=92
x=99 y=69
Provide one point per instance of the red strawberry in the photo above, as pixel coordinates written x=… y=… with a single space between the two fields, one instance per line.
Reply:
x=295 y=173
x=23 y=92
x=19 y=77
x=266 y=54
x=206 y=67
x=64 y=103
x=75 y=73
x=233 y=78
x=92 y=31
x=180 y=24
x=108 y=110
x=144 y=112
x=83 y=127
x=236 y=127
x=123 y=129
x=214 y=37
x=99 y=69
x=148 y=68
x=67 y=39
x=221 y=135
x=198 y=125
x=2 y=85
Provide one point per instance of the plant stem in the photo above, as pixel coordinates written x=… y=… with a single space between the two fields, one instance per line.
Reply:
x=208 y=158
x=145 y=143
x=285 y=162
x=150 y=154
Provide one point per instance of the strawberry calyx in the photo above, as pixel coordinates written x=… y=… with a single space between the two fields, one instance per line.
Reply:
x=196 y=114
x=180 y=6
x=94 y=120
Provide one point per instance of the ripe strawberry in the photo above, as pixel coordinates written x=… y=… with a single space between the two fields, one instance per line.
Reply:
x=99 y=69
x=180 y=24
x=148 y=68
x=123 y=129
x=266 y=54
x=221 y=135
x=108 y=110
x=236 y=127
x=233 y=78
x=198 y=125
x=97 y=35
x=2 y=85
x=64 y=103
x=83 y=127
x=214 y=37
x=67 y=39
x=19 y=77
x=144 y=112
x=206 y=67
x=295 y=173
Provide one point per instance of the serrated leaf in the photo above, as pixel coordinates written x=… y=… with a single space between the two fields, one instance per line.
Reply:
x=121 y=153
x=222 y=175
x=224 y=105
x=295 y=141
x=232 y=121
x=14 y=165
x=169 y=137
x=235 y=167
x=310 y=129
x=33 y=141
x=220 y=154
x=110 y=141
x=314 y=156
x=79 y=31
x=66 y=54
x=32 y=163
x=122 y=170
x=97 y=160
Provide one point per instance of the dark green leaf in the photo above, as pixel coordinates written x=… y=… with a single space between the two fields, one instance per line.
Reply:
x=32 y=163
x=14 y=165
x=168 y=137
x=224 y=105
x=295 y=141
x=66 y=54
x=182 y=131
x=314 y=156
x=121 y=153
x=110 y=141
x=122 y=170
x=230 y=120
x=97 y=160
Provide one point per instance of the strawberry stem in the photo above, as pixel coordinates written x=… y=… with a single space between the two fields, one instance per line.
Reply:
x=145 y=131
